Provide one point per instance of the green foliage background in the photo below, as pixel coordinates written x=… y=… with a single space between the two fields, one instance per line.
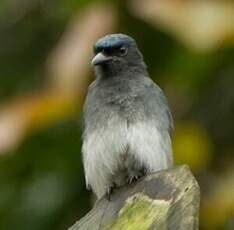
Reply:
x=41 y=181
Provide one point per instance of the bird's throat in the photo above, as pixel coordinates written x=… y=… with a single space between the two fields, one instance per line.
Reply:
x=111 y=71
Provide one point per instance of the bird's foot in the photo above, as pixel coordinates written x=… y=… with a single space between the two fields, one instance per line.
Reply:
x=109 y=191
x=136 y=176
x=133 y=179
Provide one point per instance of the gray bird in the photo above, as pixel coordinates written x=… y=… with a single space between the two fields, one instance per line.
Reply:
x=127 y=121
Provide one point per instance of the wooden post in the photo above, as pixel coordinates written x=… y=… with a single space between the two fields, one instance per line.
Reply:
x=167 y=199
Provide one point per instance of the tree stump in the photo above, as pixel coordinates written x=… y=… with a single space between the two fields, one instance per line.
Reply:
x=168 y=199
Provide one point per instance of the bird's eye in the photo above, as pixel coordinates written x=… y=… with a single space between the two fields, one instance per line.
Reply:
x=123 y=51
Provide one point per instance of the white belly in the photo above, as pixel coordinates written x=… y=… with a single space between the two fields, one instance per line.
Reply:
x=103 y=151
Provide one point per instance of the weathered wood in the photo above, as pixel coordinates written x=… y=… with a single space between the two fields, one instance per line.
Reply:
x=164 y=200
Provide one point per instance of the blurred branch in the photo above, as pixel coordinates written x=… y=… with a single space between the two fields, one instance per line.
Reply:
x=202 y=25
x=67 y=70
x=69 y=63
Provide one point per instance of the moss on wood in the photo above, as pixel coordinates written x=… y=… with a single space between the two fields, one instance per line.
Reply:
x=164 y=200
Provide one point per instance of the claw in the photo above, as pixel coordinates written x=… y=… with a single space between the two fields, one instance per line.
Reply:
x=109 y=191
x=133 y=179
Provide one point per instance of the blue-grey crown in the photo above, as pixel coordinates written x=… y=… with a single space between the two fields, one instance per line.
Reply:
x=114 y=41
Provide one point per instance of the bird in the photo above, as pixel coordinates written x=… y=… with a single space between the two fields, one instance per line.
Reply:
x=127 y=123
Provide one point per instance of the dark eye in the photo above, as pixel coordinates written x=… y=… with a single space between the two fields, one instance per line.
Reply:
x=123 y=51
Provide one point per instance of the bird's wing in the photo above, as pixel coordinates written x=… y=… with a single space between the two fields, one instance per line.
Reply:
x=88 y=103
x=156 y=107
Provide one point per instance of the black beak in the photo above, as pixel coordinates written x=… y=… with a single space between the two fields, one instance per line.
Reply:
x=100 y=59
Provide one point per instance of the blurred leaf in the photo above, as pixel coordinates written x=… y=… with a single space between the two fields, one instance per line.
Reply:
x=218 y=206
x=43 y=181
x=192 y=145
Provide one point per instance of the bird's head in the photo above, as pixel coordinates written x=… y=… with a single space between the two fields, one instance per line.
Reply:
x=117 y=52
